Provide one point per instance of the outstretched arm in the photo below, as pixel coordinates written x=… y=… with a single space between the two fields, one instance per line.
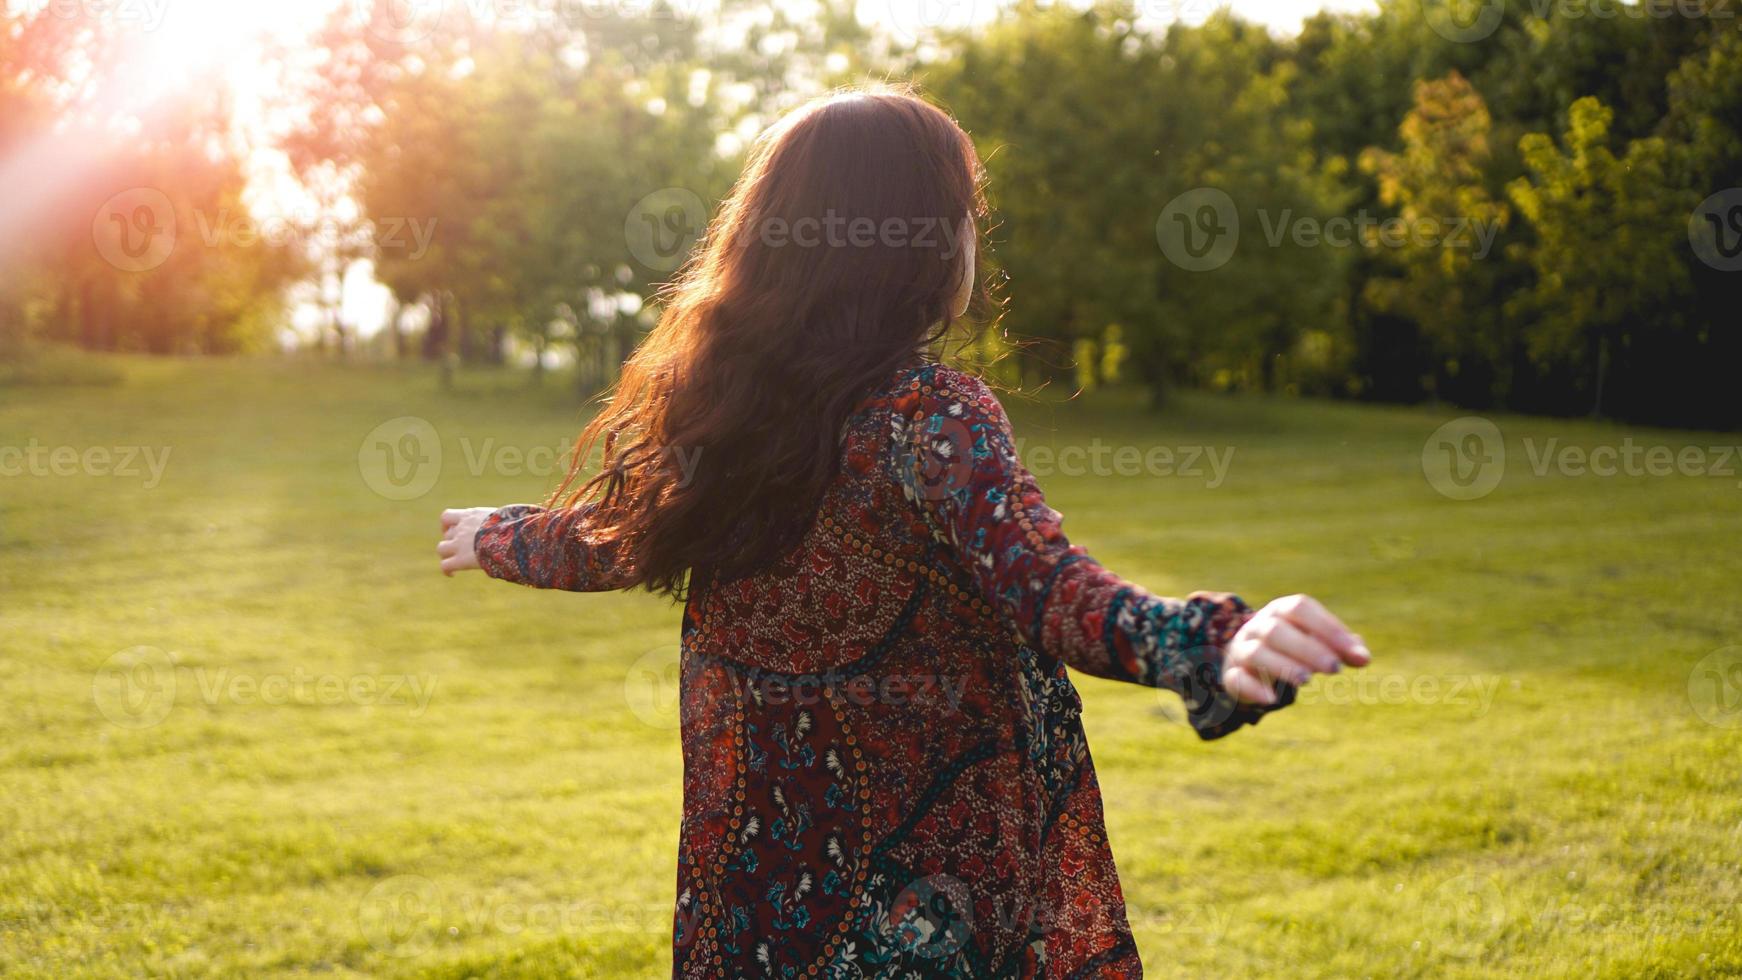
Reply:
x=957 y=461
x=546 y=549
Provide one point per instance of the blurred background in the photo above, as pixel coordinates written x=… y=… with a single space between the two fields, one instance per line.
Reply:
x=1527 y=207
x=1427 y=307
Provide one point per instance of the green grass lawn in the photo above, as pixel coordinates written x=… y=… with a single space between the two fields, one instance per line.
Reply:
x=247 y=729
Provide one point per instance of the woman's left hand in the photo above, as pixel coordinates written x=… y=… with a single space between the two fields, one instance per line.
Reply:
x=459 y=528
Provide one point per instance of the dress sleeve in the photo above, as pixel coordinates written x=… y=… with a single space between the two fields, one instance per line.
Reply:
x=957 y=462
x=547 y=549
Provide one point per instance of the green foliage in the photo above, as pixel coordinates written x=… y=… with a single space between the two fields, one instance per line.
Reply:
x=524 y=151
x=1064 y=170
x=1571 y=288
x=1077 y=180
x=65 y=271
x=1610 y=235
x=525 y=147
x=1436 y=185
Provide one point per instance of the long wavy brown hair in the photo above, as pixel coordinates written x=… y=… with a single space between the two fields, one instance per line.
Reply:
x=838 y=257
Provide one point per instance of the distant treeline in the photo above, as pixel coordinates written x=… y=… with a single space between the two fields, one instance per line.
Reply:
x=1533 y=206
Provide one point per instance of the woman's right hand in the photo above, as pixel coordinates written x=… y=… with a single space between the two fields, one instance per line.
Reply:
x=1290 y=639
x=459 y=530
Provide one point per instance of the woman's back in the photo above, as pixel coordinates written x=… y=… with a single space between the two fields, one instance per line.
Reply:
x=884 y=771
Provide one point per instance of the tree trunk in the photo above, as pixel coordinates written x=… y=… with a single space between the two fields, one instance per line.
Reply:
x=433 y=344
x=1159 y=390
x=1602 y=374
x=456 y=323
x=340 y=340
x=624 y=347
x=468 y=347
x=95 y=308
x=394 y=309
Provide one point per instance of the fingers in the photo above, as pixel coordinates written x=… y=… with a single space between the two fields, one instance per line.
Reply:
x=1245 y=687
x=454 y=515
x=1308 y=615
x=1288 y=641
x=1360 y=656
x=454 y=549
x=1302 y=648
x=1268 y=665
x=456 y=560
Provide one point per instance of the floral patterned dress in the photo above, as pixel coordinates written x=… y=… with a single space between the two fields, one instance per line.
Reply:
x=885 y=774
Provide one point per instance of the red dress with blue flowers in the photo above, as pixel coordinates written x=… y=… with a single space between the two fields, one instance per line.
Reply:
x=885 y=774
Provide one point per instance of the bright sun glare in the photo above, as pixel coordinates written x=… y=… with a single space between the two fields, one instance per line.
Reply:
x=173 y=53
x=182 y=41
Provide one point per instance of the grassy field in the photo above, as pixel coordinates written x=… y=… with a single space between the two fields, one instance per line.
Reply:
x=247 y=729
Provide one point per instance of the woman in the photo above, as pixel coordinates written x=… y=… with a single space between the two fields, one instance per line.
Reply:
x=884 y=770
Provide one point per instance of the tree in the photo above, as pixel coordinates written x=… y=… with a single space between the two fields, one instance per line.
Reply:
x=1437 y=185
x=1607 y=252
x=1116 y=124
